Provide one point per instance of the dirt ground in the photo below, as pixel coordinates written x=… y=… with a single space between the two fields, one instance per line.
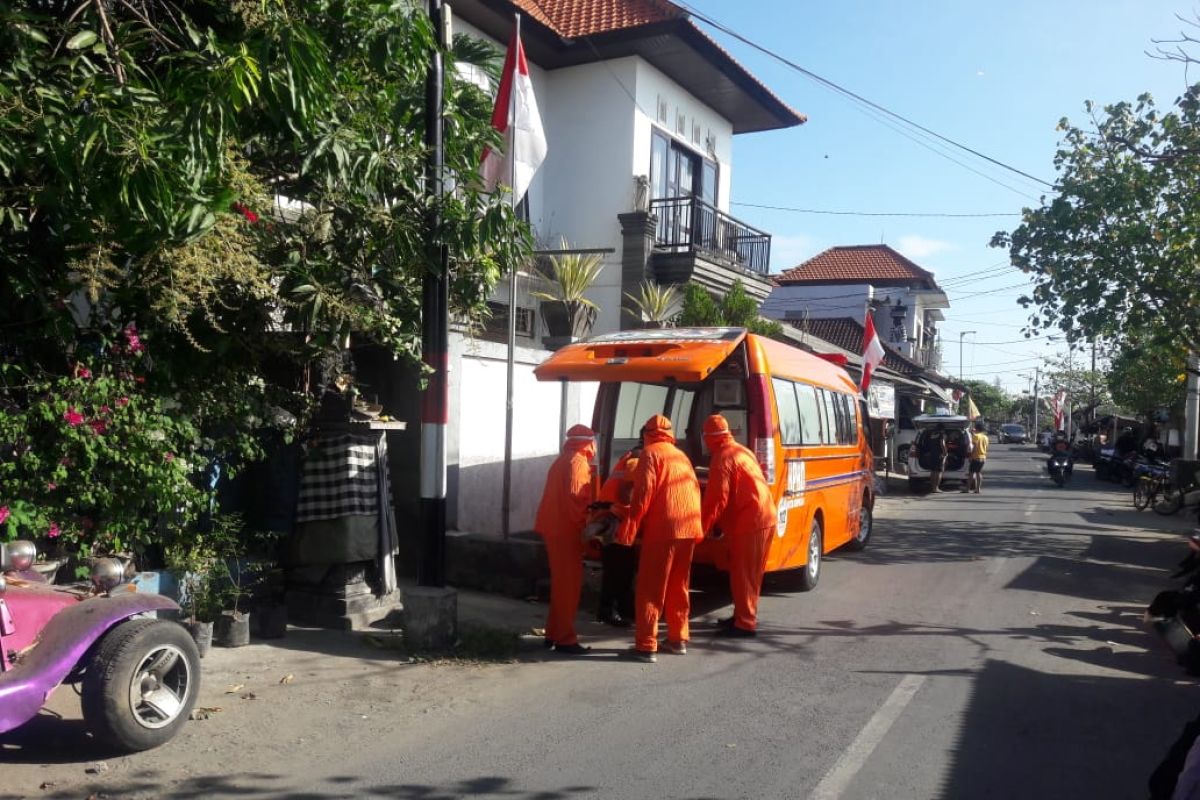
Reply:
x=270 y=708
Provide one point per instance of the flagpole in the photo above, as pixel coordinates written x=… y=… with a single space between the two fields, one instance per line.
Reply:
x=506 y=501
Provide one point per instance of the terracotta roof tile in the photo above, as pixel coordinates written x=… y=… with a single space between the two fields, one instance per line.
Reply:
x=856 y=263
x=848 y=334
x=571 y=18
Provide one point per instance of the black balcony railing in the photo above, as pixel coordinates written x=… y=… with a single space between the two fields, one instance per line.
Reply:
x=689 y=223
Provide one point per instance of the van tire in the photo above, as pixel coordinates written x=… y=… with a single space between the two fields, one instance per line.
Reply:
x=866 y=525
x=810 y=573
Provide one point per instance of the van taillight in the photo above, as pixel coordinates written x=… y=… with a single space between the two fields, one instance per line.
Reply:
x=762 y=425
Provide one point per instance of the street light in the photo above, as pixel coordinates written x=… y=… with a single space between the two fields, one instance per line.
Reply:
x=961 y=334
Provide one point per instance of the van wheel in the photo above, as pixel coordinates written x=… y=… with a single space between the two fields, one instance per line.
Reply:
x=866 y=522
x=810 y=573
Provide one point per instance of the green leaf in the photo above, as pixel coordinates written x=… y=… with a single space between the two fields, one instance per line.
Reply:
x=81 y=40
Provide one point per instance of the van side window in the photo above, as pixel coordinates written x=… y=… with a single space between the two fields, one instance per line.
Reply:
x=851 y=419
x=830 y=432
x=789 y=415
x=810 y=413
x=843 y=424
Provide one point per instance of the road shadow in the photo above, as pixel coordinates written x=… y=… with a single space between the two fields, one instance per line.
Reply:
x=1031 y=734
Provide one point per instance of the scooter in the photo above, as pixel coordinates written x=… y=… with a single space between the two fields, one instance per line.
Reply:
x=138 y=676
x=1175 y=614
x=1059 y=468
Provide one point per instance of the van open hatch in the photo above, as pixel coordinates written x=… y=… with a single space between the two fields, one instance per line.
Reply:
x=685 y=355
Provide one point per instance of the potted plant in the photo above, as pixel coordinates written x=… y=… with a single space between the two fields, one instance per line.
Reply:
x=656 y=304
x=568 y=314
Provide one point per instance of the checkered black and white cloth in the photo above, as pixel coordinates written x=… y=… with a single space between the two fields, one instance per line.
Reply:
x=340 y=478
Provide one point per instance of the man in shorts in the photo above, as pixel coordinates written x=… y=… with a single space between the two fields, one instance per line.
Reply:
x=979 y=448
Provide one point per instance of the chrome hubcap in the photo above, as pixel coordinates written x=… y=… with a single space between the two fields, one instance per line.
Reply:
x=814 y=550
x=160 y=687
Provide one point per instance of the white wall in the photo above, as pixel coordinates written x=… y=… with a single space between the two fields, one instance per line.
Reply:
x=820 y=302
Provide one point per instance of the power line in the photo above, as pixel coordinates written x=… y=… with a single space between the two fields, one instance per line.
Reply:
x=848 y=93
x=930 y=214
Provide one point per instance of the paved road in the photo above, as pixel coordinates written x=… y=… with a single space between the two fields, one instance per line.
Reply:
x=984 y=646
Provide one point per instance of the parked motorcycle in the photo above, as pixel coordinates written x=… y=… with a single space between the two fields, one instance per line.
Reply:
x=1059 y=467
x=138 y=677
x=1175 y=614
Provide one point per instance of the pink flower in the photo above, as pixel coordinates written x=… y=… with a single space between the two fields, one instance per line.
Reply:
x=250 y=216
x=65 y=461
x=105 y=410
x=122 y=402
x=54 y=532
x=140 y=379
x=132 y=340
x=99 y=426
x=169 y=457
x=82 y=372
x=3 y=514
x=73 y=417
x=51 y=486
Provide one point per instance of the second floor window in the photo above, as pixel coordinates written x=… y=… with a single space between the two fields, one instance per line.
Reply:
x=679 y=171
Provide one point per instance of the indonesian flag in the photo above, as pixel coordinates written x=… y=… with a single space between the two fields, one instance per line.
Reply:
x=516 y=116
x=1060 y=407
x=872 y=352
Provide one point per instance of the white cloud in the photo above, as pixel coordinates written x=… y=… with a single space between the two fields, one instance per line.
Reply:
x=790 y=251
x=918 y=247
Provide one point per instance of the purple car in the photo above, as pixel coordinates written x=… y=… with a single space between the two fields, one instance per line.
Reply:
x=138 y=676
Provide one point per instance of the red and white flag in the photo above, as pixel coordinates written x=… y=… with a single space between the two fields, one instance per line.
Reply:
x=872 y=352
x=516 y=116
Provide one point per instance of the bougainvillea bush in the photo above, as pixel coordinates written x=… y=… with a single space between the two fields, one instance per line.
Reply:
x=94 y=461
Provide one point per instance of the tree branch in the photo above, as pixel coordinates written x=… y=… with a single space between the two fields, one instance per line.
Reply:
x=114 y=50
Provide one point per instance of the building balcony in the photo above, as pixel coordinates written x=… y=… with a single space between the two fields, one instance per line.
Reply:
x=929 y=357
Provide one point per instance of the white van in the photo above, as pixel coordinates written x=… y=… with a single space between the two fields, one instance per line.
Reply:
x=957 y=431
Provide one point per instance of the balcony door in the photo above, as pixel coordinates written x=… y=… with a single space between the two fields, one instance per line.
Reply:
x=679 y=174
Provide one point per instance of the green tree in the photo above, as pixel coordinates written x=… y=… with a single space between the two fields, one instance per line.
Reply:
x=736 y=309
x=1081 y=382
x=243 y=182
x=1114 y=252
x=993 y=403
x=1147 y=377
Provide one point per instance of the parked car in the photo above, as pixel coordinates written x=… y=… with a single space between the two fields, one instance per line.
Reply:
x=1013 y=433
x=957 y=434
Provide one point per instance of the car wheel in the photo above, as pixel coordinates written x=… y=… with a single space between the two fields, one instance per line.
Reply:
x=141 y=684
x=810 y=573
x=866 y=523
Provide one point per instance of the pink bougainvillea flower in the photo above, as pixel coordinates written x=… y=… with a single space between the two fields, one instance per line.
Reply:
x=140 y=379
x=51 y=485
x=122 y=401
x=54 y=532
x=168 y=457
x=82 y=372
x=73 y=417
x=250 y=216
x=132 y=340
x=105 y=409
x=3 y=514
x=65 y=461
x=99 y=426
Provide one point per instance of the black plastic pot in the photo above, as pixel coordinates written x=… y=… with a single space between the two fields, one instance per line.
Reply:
x=202 y=634
x=232 y=629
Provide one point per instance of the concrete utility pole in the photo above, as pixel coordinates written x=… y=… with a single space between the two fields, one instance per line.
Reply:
x=1037 y=374
x=961 y=334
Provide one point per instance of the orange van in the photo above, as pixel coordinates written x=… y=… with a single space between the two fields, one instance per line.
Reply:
x=800 y=414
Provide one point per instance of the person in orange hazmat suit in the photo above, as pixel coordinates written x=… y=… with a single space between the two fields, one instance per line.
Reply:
x=665 y=507
x=618 y=563
x=738 y=500
x=560 y=520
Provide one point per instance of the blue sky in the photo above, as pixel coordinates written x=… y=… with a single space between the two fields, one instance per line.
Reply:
x=996 y=77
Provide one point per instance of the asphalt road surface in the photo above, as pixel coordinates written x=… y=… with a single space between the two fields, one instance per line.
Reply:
x=983 y=646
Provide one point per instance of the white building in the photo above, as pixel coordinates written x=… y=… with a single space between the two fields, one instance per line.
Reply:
x=640 y=109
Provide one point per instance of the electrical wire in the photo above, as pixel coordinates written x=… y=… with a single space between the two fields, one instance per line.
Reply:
x=929 y=214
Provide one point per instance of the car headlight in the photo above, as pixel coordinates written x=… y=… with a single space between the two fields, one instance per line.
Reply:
x=20 y=555
x=107 y=574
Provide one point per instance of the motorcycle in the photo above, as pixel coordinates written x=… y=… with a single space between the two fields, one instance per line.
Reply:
x=138 y=677
x=1059 y=467
x=1175 y=614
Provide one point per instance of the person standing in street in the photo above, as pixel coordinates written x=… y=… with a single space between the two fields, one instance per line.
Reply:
x=560 y=520
x=665 y=506
x=979 y=448
x=935 y=453
x=738 y=500
x=618 y=564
